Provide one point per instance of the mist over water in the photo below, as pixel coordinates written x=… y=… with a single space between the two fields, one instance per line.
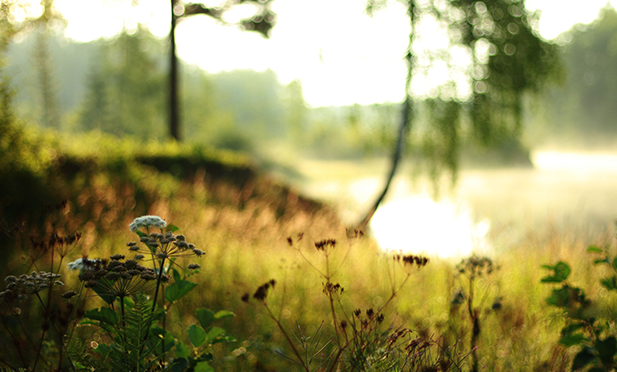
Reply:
x=489 y=210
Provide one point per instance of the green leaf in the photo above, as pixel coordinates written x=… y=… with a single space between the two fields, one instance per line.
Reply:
x=205 y=317
x=179 y=288
x=224 y=314
x=182 y=351
x=158 y=334
x=594 y=249
x=103 y=292
x=583 y=358
x=572 y=339
x=606 y=350
x=103 y=349
x=141 y=234
x=562 y=271
x=609 y=283
x=179 y=365
x=213 y=333
x=172 y=228
x=104 y=315
x=560 y=297
x=197 y=335
x=615 y=263
x=203 y=367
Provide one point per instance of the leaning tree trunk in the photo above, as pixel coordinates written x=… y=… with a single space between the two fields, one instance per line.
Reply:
x=404 y=127
x=174 y=117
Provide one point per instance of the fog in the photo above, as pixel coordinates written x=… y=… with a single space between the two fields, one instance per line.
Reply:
x=488 y=211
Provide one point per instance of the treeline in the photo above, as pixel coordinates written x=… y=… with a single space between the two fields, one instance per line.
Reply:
x=582 y=112
x=119 y=86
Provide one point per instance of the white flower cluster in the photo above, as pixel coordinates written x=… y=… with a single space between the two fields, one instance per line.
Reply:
x=79 y=263
x=147 y=221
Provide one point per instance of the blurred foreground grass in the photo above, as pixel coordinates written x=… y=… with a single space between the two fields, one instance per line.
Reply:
x=242 y=219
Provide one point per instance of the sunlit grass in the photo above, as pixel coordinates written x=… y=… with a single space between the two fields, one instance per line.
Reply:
x=244 y=231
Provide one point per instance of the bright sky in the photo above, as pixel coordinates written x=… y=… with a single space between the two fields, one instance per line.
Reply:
x=340 y=55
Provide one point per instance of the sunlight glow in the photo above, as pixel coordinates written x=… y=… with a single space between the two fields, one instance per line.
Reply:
x=340 y=55
x=590 y=162
x=417 y=224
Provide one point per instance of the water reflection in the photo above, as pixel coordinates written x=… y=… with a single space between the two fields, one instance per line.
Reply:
x=491 y=210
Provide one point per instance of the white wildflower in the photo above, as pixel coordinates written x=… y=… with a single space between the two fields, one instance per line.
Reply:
x=147 y=222
x=79 y=263
x=76 y=265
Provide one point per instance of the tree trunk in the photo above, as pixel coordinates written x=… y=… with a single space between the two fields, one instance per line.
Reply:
x=404 y=127
x=174 y=116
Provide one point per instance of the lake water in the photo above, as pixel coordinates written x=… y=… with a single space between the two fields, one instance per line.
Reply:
x=488 y=210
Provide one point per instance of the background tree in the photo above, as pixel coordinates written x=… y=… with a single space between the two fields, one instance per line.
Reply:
x=509 y=60
x=125 y=86
x=262 y=21
x=583 y=110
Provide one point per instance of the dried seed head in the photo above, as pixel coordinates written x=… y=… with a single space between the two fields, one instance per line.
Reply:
x=194 y=266
x=69 y=294
x=324 y=244
x=198 y=252
x=10 y=279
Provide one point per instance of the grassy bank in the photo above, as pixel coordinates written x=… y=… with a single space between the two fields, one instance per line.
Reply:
x=397 y=315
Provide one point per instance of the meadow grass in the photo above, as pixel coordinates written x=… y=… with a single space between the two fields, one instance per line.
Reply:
x=244 y=230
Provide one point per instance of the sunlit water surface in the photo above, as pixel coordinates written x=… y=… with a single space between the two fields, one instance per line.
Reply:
x=487 y=211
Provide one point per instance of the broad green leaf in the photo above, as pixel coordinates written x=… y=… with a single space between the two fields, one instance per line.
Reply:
x=141 y=234
x=182 y=351
x=560 y=297
x=179 y=288
x=103 y=349
x=205 y=317
x=609 y=283
x=606 y=350
x=104 y=314
x=224 y=314
x=172 y=228
x=203 y=367
x=197 y=335
x=572 y=339
x=213 y=333
x=562 y=271
x=158 y=335
x=615 y=263
x=103 y=292
x=179 y=364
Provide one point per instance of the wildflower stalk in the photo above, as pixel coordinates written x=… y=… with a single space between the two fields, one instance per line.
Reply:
x=331 y=298
x=15 y=341
x=158 y=284
x=280 y=326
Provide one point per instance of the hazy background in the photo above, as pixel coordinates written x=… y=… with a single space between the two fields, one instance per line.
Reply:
x=317 y=105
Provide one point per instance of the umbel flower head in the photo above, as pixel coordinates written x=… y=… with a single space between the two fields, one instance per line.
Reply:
x=117 y=278
x=20 y=287
x=166 y=246
x=147 y=222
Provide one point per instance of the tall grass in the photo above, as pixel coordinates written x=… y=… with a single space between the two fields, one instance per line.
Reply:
x=244 y=224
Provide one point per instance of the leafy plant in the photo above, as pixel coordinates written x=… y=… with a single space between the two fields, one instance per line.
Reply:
x=131 y=327
x=586 y=328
